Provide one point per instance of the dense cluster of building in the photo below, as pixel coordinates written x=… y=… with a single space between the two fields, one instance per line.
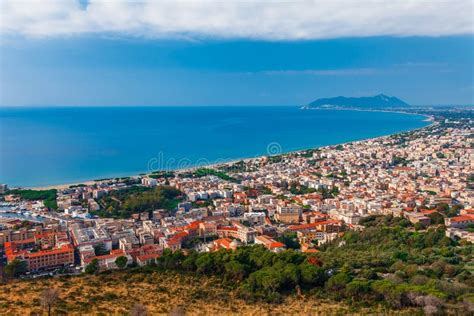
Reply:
x=311 y=197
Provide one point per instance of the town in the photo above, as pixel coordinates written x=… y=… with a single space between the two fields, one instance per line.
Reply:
x=300 y=200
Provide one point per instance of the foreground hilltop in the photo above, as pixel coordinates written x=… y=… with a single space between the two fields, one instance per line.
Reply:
x=159 y=292
x=380 y=101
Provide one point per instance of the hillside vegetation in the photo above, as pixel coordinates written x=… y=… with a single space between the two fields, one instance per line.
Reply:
x=161 y=293
x=388 y=263
x=388 y=266
x=48 y=196
x=379 y=101
x=123 y=203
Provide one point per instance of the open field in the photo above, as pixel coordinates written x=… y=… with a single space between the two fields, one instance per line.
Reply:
x=161 y=293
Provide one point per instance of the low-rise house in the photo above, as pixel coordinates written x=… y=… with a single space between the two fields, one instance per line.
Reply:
x=224 y=243
x=107 y=262
x=128 y=242
x=461 y=221
x=418 y=217
x=269 y=243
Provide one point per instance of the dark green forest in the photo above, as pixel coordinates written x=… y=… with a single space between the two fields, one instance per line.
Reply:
x=385 y=264
x=123 y=203
x=48 y=196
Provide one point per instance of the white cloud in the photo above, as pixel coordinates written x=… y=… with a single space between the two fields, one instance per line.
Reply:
x=326 y=72
x=264 y=19
x=392 y=69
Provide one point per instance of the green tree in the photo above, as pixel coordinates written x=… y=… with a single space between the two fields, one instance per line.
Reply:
x=290 y=240
x=204 y=264
x=436 y=218
x=100 y=250
x=356 y=289
x=121 y=262
x=92 y=267
x=16 y=268
x=338 y=282
x=235 y=270
x=312 y=275
x=48 y=196
x=442 y=207
x=189 y=264
x=267 y=279
x=419 y=226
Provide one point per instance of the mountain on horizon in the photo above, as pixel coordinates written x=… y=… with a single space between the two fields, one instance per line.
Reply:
x=376 y=102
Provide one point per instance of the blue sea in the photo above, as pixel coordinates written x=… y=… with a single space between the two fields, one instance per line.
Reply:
x=47 y=146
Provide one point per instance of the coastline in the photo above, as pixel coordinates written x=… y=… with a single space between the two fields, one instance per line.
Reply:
x=428 y=118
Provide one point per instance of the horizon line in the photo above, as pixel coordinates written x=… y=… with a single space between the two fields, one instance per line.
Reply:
x=200 y=105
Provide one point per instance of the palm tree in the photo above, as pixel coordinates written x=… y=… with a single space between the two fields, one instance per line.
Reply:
x=48 y=298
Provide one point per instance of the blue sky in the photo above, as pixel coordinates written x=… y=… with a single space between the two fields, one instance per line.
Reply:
x=225 y=65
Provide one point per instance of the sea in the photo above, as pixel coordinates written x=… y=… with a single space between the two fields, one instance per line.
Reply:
x=45 y=146
x=6 y=212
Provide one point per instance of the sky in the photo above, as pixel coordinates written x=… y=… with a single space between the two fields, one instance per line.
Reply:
x=209 y=52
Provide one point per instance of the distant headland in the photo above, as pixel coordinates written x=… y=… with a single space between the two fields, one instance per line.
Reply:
x=380 y=101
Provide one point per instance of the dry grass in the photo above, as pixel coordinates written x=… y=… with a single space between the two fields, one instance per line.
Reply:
x=164 y=293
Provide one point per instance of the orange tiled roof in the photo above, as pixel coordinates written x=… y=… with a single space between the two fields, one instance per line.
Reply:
x=227 y=228
x=147 y=257
x=462 y=218
x=223 y=242
x=113 y=254
x=276 y=244
x=11 y=252
x=63 y=249
x=194 y=225
x=313 y=225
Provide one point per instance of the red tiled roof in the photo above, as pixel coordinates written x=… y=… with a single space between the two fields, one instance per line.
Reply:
x=223 y=242
x=313 y=196
x=180 y=235
x=462 y=218
x=113 y=254
x=276 y=244
x=63 y=249
x=227 y=228
x=11 y=250
x=194 y=225
x=313 y=225
x=146 y=257
x=20 y=242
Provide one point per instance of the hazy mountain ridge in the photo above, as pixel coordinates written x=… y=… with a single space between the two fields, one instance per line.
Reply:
x=380 y=101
